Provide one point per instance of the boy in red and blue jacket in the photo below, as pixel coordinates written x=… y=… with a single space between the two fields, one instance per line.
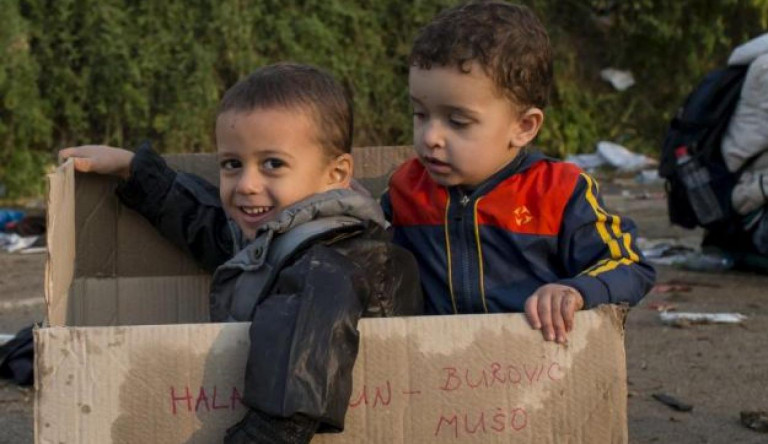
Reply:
x=494 y=227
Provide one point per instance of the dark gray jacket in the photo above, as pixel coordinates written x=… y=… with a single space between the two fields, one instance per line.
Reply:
x=304 y=337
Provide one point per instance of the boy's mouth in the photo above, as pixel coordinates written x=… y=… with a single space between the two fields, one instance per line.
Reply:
x=255 y=211
x=254 y=215
x=436 y=166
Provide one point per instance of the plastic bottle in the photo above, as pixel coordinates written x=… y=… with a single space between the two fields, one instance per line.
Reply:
x=698 y=186
x=707 y=262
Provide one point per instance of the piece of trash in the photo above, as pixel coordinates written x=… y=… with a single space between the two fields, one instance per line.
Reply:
x=691 y=283
x=661 y=306
x=13 y=242
x=621 y=80
x=666 y=253
x=613 y=155
x=757 y=421
x=707 y=262
x=621 y=158
x=586 y=161
x=5 y=338
x=648 y=177
x=672 y=402
x=670 y=288
x=8 y=216
x=684 y=319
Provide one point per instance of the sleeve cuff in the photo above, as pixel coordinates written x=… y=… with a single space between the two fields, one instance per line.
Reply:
x=592 y=289
x=150 y=180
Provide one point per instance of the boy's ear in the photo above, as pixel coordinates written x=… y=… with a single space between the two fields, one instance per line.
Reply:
x=528 y=125
x=341 y=170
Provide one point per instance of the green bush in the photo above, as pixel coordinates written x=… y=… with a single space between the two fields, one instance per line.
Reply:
x=121 y=71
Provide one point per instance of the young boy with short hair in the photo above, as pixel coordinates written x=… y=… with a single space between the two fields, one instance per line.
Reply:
x=284 y=137
x=494 y=227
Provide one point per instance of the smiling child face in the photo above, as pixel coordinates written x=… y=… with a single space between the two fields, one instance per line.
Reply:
x=268 y=160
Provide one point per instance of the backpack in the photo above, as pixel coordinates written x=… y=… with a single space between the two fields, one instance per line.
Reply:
x=698 y=183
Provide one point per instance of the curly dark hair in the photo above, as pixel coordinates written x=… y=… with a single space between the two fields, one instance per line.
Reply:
x=508 y=41
x=293 y=85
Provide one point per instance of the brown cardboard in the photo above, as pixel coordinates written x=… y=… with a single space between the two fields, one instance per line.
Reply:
x=472 y=378
x=478 y=378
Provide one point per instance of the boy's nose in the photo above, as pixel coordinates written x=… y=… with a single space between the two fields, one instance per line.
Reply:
x=250 y=182
x=432 y=135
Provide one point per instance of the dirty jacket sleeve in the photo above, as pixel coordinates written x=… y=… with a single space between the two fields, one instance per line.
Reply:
x=183 y=207
x=599 y=250
x=304 y=339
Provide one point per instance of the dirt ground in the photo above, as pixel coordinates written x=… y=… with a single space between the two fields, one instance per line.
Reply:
x=720 y=370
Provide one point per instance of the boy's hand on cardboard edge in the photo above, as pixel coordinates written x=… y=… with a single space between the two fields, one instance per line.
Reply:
x=551 y=309
x=99 y=159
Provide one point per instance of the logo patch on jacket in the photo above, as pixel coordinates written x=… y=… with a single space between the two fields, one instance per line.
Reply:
x=522 y=215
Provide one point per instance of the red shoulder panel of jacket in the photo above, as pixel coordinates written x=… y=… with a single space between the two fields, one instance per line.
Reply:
x=416 y=199
x=531 y=202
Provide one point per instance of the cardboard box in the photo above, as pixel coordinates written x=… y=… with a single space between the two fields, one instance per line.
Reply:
x=101 y=376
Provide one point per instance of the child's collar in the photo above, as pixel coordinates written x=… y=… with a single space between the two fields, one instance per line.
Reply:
x=524 y=160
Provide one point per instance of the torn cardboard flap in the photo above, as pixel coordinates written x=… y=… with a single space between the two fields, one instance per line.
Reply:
x=470 y=378
x=95 y=241
x=60 y=238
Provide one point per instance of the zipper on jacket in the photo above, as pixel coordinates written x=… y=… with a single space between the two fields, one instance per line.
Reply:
x=464 y=227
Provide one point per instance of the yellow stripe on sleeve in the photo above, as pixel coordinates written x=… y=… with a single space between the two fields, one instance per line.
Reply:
x=617 y=258
x=601 y=223
x=599 y=263
x=610 y=266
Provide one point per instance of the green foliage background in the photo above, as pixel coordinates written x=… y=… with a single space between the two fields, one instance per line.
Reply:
x=121 y=71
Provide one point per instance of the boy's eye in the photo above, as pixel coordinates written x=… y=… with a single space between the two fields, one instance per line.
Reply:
x=273 y=164
x=459 y=122
x=230 y=164
x=418 y=114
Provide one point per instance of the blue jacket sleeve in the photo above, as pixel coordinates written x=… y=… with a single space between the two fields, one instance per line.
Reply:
x=599 y=252
x=183 y=207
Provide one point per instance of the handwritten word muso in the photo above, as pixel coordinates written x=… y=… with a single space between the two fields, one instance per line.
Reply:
x=496 y=374
x=210 y=399
x=483 y=421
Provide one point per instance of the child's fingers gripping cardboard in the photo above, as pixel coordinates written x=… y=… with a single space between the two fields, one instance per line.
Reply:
x=100 y=159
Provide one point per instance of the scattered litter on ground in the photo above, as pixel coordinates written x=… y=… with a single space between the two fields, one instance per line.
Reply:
x=8 y=216
x=661 y=306
x=619 y=79
x=613 y=155
x=672 y=402
x=643 y=195
x=707 y=262
x=13 y=242
x=757 y=421
x=670 y=288
x=692 y=283
x=27 y=226
x=684 y=319
x=649 y=177
x=664 y=253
